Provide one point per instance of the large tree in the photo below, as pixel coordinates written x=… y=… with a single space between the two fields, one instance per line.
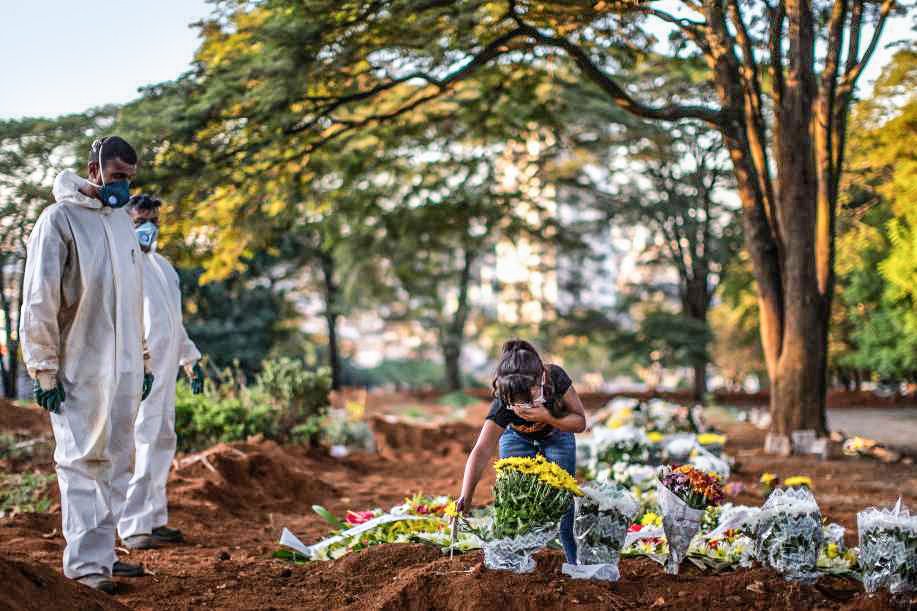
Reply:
x=782 y=74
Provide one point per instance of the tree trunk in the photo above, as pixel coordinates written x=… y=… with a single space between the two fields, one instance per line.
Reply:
x=9 y=362
x=451 y=356
x=694 y=306
x=453 y=337
x=331 y=319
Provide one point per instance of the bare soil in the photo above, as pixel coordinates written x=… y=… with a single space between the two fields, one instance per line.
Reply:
x=233 y=500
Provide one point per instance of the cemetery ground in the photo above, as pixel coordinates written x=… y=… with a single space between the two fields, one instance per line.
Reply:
x=232 y=501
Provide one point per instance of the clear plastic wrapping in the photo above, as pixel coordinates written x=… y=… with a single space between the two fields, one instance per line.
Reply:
x=888 y=548
x=680 y=523
x=515 y=553
x=789 y=534
x=602 y=518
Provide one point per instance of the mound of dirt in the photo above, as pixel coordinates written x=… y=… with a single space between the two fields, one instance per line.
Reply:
x=396 y=437
x=416 y=577
x=28 y=586
x=27 y=421
x=241 y=478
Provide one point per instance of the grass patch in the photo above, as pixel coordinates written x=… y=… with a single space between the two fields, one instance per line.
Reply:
x=25 y=493
x=457 y=399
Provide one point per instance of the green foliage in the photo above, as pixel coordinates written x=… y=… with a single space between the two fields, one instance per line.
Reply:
x=235 y=321
x=408 y=373
x=25 y=493
x=876 y=318
x=285 y=403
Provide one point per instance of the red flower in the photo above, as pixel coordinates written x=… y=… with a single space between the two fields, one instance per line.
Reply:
x=358 y=517
x=634 y=528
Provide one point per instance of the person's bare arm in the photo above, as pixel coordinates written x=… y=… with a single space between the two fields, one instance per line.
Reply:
x=482 y=453
x=574 y=421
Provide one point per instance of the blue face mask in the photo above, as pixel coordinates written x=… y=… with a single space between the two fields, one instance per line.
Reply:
x=114 y=194
x=146 y=235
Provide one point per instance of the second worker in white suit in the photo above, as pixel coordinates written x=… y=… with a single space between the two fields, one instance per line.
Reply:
x=143 y=523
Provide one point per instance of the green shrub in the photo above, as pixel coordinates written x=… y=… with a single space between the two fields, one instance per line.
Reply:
x=286 y=403
x=299 y=396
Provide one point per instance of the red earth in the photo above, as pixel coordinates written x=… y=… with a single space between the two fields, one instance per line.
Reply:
x=233 y=500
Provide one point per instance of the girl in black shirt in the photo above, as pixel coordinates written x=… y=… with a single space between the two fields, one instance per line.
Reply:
x=535 y=411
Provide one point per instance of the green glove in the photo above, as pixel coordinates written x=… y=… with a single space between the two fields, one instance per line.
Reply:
x=197 y=379
x=49 y=399
x=147 y=386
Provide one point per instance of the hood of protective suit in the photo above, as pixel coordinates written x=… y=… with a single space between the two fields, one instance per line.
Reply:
x=67 y=190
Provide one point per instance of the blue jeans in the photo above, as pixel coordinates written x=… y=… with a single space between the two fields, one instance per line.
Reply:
x=560 y=448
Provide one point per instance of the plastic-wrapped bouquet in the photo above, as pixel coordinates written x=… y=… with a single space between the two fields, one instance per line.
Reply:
x=683 y=493
x=626 y=445
x=888 y=548
x=646 y=538
x=834 y=558
x=603 y=515
x=726 y=539
x=789 y=533
x=530 y=497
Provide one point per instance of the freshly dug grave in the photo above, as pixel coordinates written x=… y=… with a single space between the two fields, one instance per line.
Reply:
x=233 y=510
x=32 y=586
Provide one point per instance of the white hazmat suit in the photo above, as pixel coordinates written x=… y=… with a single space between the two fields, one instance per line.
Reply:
x=154 y=430
x=82 y=321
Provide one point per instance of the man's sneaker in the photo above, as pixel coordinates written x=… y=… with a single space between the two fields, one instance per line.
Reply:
x=164 y=534
x=125 y=569
x=140 y=542
x=98 y=581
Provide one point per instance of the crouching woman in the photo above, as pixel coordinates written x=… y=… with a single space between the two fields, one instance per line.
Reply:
x=535 y=411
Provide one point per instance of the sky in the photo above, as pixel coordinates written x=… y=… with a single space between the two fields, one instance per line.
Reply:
x=55 y=61
x=55 y=58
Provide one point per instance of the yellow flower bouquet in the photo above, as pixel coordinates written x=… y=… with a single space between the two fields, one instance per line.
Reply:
x=530 y=492
x=531 y=495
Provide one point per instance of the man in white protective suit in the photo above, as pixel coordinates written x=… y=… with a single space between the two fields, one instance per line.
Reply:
x=81 y=329
x=143 y=522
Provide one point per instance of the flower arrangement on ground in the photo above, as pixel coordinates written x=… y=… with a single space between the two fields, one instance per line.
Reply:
x=645 y=538
x=603 y=515
x=418 y=515
x=683 y=493
x=769 y=483
x=834 y=558
x=726 y=538
x=626 y=445
x=888 y=548
x=531 y=495
x=789 y=533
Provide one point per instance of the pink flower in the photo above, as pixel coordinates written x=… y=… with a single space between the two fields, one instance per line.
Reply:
x=358 y=517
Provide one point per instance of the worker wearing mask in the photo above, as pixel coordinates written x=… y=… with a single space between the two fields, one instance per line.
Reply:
x=81 y=330
x=143 y=525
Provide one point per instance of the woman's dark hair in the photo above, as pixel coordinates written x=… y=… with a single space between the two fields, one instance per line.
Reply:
x=520 y=369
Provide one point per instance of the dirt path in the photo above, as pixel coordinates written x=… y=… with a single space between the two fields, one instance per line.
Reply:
x=895 y=426
x=233 y=505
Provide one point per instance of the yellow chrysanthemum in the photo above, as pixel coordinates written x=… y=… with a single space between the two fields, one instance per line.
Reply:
x=651 y=519
x=451 y=509
x=711 y=439
x=548 y=472
x=654 y=436
x=798 y=480
x=768 y=478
